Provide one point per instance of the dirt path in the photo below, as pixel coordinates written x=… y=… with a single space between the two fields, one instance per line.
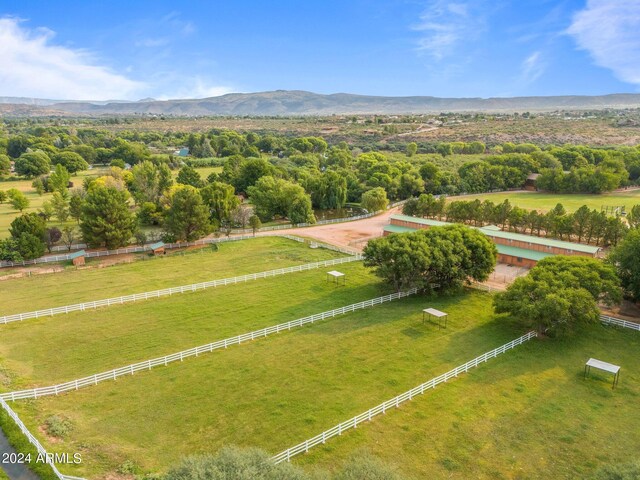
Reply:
x=348 y=234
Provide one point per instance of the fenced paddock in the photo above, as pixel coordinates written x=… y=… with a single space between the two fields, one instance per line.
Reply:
x=34 y=441
x=180 y=356
x=49 y=312
x=396 y=401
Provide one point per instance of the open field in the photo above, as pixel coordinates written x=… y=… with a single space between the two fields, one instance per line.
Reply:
x=274 y=392
x=7 y=213
x=528 y=411
x=84 y=343
x=571 y=202
x=232 y=259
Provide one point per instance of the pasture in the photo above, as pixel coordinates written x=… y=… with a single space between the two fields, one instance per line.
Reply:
x=151 y=273
x=526 y=411
x=272 y=392
x=571 y=202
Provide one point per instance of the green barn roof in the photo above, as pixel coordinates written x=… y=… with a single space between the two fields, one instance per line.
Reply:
x=78 y=254
x=491 y=231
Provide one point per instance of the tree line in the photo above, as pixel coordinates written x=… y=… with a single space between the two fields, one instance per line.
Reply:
x=583 y=226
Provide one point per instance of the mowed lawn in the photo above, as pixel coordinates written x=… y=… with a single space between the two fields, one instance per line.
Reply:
x=232 y=259
x=527 y=414
x=47 y=350
x=571 y=202
x=274 y=392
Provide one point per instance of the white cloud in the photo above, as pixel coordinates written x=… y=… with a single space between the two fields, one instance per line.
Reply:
x=532 y=68
x=198 y=87
x=33 y=66
x=610 y=31
x=445 y=25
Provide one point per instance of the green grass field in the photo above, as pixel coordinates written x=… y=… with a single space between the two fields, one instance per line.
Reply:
x=571 y=202
x=275 y=392
x=84 y=343
x=528 y=414
x=232 y=259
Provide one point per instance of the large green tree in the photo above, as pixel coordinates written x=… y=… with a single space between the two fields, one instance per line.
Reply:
x=189 y=176
x=374 y=200
x=106 y=219
x=561 y=294
x=434 y=259
x=221 y=200
x=72 y=161
x=277 y=197
x=625 y=258
x=187 y=217
x=28 y=231
x=32 y=164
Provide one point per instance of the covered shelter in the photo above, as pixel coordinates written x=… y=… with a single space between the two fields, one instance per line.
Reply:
x=433 y=313
x=605 y=367
x=335 y=276
x=157 y=248
x=78 y=258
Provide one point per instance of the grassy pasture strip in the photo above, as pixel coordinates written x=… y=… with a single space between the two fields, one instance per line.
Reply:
x=149 y=364
x=170 y=291
x=396 y=401
x=43 y=471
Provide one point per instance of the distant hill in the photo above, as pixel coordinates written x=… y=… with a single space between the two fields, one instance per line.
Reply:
x=295 y=102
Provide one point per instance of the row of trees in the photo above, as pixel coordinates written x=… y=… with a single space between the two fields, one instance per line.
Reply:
x=584 y=225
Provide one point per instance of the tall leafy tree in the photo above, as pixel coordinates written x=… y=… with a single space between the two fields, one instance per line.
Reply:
x=625 y=258
x=374 y=200
x=106 y=219
x=32 y=164
x=560 y=294
x=187 y=217
x=72 y=161
x=189 y=176
x=436 y=259
x=221 y=200
x=28 y=232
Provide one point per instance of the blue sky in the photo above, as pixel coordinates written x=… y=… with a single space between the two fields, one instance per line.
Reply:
x=190 y=49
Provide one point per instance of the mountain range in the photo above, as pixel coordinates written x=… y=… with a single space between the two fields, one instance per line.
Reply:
x=296 y=102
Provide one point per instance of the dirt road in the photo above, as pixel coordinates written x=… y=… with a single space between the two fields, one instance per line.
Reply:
x=347 y=234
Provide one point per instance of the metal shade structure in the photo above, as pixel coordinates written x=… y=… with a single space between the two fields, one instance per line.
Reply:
x=433 y=313
x=605 y=367
x=336 y=276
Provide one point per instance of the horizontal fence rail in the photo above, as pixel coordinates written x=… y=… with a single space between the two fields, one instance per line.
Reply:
x=49 y=312
x=34 y=441
x=396 y=401
x=619 y=322
x=210 y=347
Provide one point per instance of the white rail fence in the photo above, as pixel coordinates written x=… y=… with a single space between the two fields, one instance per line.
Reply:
x=194 y=352
x=619 y=322
x=396 y=401
x=49 y=312
x=145 y=248
x=34 y=441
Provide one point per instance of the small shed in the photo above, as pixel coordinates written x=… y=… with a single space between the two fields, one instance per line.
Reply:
x=433 y=313
x=157 y=248
x=77 y=258
x=531 y=183
x=336 y=276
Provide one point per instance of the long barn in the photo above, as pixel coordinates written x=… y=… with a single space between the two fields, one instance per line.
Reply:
x=513 y=248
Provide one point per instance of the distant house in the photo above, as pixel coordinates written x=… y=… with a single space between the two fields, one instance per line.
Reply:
x=531 y=182
x=182 y=152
